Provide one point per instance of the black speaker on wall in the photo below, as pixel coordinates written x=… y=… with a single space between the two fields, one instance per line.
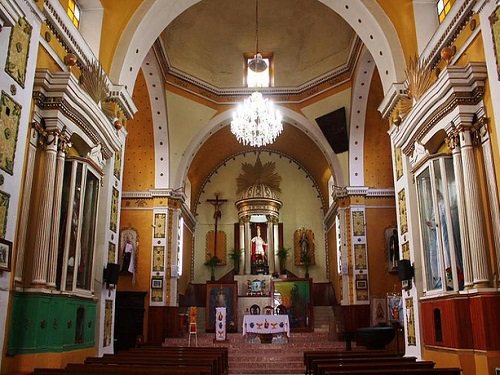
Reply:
x=111 y=273
x=334 y=128
x=405 y=269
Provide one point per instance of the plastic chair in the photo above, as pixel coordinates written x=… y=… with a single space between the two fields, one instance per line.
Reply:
x=193 y=329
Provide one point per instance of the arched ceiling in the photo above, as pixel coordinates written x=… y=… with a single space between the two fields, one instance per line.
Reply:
x=292 y=143
x=208 y=40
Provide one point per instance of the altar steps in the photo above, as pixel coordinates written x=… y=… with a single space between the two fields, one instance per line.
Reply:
x=246 y=358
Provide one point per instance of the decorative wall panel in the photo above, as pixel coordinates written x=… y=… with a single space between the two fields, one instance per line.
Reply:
x=360 y=261
x=160 y=223
x=158 y=258
x=403 y=215
x=17 y=55
x=4 y=210
x=10 y=113
x=398 y=161
x=114 y=210
x=410 y=322
x=358 y=223
x=111 y=253
x=108 y=322
x=118 y=164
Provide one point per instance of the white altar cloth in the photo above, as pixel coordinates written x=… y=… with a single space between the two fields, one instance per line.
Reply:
x=266 y=324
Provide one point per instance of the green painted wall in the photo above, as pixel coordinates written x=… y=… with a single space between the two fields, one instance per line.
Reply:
x=43 y=323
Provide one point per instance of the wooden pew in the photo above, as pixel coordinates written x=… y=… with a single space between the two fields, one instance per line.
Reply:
x=164 y=369
x=309 y=356
x=320 y=363
x=399 y=371
x=327 y=368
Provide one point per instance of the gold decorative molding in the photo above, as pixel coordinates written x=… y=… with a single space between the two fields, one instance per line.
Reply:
x=258 y=174
x=94 y=81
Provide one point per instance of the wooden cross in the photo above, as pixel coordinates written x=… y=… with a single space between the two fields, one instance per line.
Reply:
x=217 y=214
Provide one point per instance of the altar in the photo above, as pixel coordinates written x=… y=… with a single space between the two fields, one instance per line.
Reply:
x=266 y=324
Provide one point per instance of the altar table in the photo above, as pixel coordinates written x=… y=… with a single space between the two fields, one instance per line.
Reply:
x=266 y=324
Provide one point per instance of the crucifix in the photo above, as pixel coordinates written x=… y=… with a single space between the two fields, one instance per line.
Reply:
x=217 y=214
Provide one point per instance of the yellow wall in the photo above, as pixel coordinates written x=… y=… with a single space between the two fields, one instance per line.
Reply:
x=401 y=15
x=139 y=167
x=377 y=147
x=116 y=17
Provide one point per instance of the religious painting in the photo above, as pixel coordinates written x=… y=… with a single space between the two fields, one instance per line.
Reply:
x=17 y=54
x=395 y=308
x=398 y=161
x=5 y=254
x=403 y=215
x=294 y=295
x=392 y=245
x=378 y=311
x=108 y=322
x=111 y=252
x=114 y=210
x=210 y=245
x=222 y=295
x=10 y=113
x=360 y=261
x=304 y=245
x=160 y=222
x=358 y=223
x=410 y=322
x=495 y=31
x=405 y=250
x=118 y=164
x=4 y=210
x=361 y=286
x=158 y=258
x=157 y=295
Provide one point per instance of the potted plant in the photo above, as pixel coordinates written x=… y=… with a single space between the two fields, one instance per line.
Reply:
x=282 y=255
x=305 y=259
x=212 y=262
x=235 y=255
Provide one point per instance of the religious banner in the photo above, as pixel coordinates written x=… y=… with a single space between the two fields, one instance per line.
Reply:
x=10 y=113
x=17 y=54
x=220 y=328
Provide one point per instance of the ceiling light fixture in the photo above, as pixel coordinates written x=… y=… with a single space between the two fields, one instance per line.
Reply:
x=256 y=122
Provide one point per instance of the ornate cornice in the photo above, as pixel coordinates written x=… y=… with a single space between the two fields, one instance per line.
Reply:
x=362 y=191
x=298 y=94
x=61 y=92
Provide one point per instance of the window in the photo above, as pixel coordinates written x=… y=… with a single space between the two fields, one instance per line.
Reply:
x=74 y=12
x=258 y=79
x=443 y=8
x=77 y=227
x=439 y=226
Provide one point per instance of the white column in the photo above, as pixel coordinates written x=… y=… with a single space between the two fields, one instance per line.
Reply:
x=42 y=236
x=276 y=245
x=56 y=215
x=25 y=206
x=492 y=189
x=270 y=245
x=248 y=251
x=462 y=215
x=242 y=247
x=474 y=217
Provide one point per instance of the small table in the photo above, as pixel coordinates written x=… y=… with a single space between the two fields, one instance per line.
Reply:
x=266 y=324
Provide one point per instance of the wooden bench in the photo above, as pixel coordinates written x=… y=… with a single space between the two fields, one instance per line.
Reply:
x=310 y=356
x=399 y=371
x=323 y=362
x=325 y=368
x=83 y=369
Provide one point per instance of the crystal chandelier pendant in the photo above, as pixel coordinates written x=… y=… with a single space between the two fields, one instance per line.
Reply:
x=256 y=122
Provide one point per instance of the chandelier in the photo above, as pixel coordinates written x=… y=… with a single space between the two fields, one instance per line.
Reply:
x=256 y=122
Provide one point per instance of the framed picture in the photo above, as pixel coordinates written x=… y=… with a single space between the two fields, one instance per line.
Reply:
x=5 y=254
x=222 y=295
x=378 y=311
x=294 y=296
x=157 y=283
x=361 y=284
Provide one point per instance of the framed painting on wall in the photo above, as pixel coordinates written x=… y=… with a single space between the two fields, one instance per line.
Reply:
x=5 y=254
x=222 y=295
x=295 y=296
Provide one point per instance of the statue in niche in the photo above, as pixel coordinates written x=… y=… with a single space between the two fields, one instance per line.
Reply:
x=259 y=255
